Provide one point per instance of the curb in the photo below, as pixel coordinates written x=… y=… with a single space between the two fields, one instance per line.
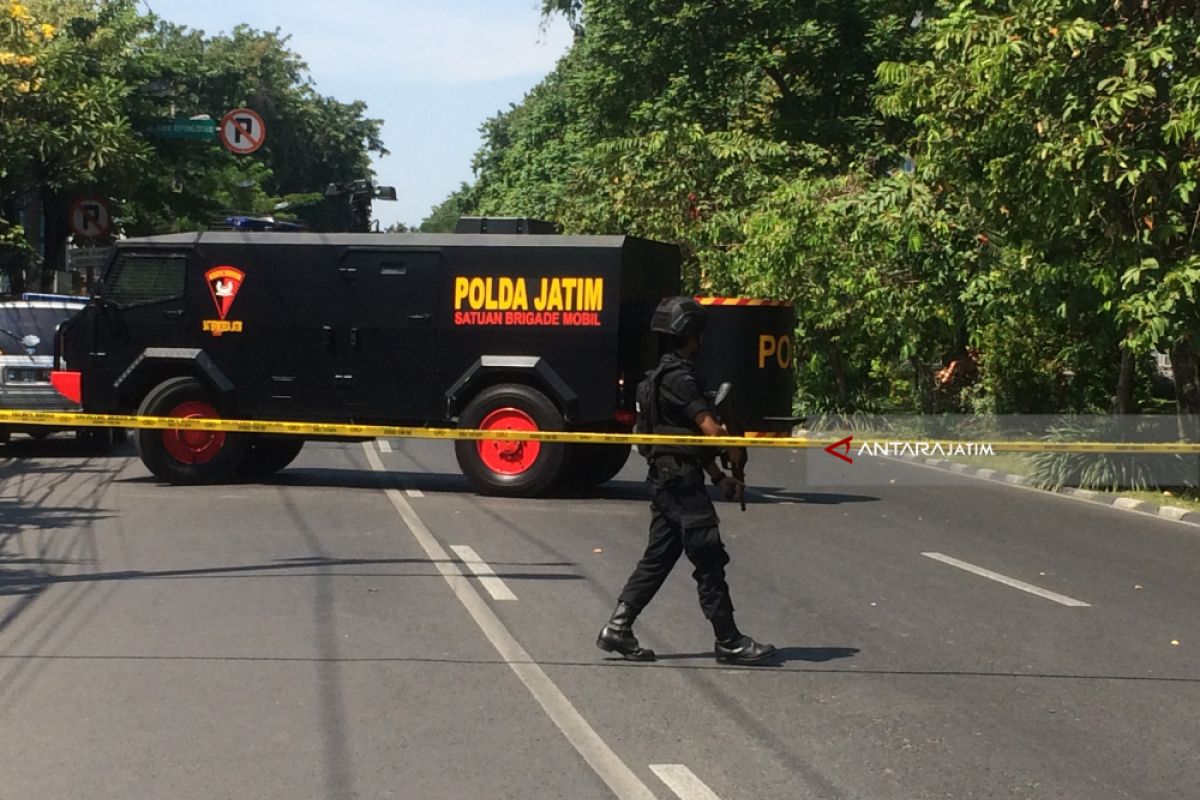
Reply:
x=1119 y=502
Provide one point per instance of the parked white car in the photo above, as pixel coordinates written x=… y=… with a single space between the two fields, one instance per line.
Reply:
x=27 y=329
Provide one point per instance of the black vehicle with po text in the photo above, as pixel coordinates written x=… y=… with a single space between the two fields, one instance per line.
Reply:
x=492 y=331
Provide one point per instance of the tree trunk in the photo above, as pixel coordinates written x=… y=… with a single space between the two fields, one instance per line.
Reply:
x=33 y=235
x=923 y=384
x=10 y=265
x=1186 y=374
x=839 y=374
x=1187 y=378
x=10 y=257
x=54 y=240
x=1123 y=402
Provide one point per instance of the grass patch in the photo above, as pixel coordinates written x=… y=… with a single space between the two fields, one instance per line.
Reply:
x=1188 y=500
x=1015 y=463
x=1019 y=464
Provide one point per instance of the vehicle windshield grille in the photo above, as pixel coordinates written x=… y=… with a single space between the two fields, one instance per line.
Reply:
x=136 y=279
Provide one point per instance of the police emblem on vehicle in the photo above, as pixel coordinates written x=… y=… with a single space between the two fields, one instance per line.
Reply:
x=224 y=282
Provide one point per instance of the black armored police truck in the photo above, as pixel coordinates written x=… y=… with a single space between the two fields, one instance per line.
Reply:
x=490 y=331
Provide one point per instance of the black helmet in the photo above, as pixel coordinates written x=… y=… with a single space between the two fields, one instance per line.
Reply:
x=678 y=316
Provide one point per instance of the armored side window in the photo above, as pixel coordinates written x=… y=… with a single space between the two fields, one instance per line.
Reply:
x=138 y=278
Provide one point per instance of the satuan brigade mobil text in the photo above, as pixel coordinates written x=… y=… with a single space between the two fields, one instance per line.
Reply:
x=507 y=301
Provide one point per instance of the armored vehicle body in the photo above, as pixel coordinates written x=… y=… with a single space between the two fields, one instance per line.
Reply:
x=526 y=332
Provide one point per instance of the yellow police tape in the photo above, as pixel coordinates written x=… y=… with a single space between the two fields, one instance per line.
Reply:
x=900 y=446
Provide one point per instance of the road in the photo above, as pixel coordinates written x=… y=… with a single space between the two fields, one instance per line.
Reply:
x=324 y=635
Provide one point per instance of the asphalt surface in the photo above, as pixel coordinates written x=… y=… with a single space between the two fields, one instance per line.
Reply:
x=321 y=636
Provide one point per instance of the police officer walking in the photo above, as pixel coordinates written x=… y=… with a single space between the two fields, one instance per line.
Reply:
x=672 y=401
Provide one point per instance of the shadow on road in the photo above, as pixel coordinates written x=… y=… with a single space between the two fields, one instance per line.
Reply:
x=455 y=483
x=618 y=663
x=23 y=573
x=333 y=478
x=782 y=656
x=433 y=482
x=446 y=482
x=62 y=446
x=768 y=495
x=39 y=533
x=35 y=581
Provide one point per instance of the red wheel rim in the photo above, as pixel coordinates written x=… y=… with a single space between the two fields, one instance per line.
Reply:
x=193 y=447
x=508 y=457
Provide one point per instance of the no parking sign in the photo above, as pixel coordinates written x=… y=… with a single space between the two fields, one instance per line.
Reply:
x=90 y=217
x=242 y=131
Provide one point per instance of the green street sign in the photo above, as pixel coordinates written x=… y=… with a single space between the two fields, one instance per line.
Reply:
x=182 y=128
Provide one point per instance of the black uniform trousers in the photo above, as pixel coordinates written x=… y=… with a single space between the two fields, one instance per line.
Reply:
x=683 y=521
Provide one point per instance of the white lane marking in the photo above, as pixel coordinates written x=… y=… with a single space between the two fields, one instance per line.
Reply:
x=683 y=782
x=386 y=447
x=497 y=588
x=1061 y=599
x=594 y=750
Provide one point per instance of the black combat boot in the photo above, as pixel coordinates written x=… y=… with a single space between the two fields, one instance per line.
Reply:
x=734 y=647
x=743 y=650
x=617 y=636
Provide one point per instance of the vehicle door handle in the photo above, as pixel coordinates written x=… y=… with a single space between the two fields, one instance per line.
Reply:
x=347 y=272
x=173 y=313
x=420 y=319
x=328 y=330
x=354 y=338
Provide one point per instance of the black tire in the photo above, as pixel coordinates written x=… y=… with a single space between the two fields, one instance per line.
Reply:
x=97 y=440
x=547 y=467
x=593 y=464
x=5 y=435
x=265 y=456
x=220 y=462
x=40 y=435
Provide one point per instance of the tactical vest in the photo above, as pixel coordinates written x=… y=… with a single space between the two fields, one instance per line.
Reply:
x=649 y=421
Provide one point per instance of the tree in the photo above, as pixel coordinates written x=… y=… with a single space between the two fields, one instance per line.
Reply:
x=1007 y=182
x=755 y=77
x=1071 y=128
x=62 y=115
x=80 y=80
x=443 y=216
x=312 y=141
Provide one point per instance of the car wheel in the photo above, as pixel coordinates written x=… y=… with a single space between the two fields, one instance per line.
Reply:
x=187 y=457
x=266 y=456
x=5 y=435
x=512 y=468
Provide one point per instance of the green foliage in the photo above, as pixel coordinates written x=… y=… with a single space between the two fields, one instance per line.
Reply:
x=1107 y=471
x=312 y=140
x=443 y=216
x=80 y=80
x=62 y=112
x=728 y=129
x=681 y=184
x=1042 y=232
x=1071 y=128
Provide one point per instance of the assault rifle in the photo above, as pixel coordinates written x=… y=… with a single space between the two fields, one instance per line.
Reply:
x=726 y=414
